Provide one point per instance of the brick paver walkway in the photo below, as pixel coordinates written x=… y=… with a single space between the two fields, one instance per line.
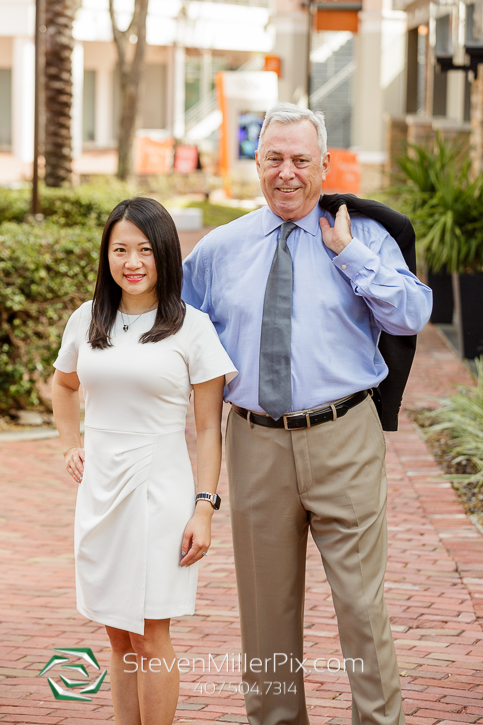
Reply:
x=434 y=590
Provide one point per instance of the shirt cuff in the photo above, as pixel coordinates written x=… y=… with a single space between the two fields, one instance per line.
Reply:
x=353 y=258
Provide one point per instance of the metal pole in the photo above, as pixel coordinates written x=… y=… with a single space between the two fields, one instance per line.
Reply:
x=35 y=177
x=309 y=48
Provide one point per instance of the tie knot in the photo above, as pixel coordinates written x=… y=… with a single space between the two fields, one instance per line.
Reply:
x=285 y=230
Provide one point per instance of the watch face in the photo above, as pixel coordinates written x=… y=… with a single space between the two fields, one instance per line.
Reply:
x=216 y=502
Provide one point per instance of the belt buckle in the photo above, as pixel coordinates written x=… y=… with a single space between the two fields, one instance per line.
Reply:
x=287 y=416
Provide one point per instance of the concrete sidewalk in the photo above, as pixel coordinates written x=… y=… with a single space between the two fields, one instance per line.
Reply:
x=434 y=590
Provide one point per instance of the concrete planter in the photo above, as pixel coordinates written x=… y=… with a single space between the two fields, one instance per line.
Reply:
x=443 y=300
x=468 y=295
x=187 y=220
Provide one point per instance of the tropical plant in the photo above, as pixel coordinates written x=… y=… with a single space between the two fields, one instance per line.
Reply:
x=461 y=415
x=59 y=44
x=421 y=166
x=451 y=220
x=131 y=74
x=435 y=190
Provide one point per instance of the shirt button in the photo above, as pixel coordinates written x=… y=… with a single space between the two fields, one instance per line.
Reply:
x=344 y=266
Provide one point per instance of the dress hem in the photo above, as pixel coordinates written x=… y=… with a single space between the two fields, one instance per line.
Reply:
x=130 y=626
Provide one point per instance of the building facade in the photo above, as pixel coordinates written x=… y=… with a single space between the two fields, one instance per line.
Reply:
x=444 y=83
x=187 y=43
x=361 y=72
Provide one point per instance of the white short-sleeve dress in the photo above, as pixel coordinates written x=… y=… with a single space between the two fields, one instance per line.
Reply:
x=137 y=493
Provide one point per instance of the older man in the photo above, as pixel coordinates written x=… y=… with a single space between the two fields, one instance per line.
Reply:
x=298 y=299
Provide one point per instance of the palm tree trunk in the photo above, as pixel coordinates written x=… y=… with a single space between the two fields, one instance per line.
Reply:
x=59 y=44
x=131 y=72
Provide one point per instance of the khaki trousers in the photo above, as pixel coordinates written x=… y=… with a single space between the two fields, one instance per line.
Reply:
x=329 y=478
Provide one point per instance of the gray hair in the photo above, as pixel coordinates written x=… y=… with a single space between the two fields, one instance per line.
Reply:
x=290 y=113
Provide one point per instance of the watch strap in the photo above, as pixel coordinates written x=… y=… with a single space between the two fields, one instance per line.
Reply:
x=213 y=498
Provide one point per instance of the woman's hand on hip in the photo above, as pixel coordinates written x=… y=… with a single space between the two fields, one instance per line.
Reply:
x=74 y=463
x=197 y=534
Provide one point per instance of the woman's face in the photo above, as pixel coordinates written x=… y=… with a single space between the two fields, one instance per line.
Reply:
x=131 y=261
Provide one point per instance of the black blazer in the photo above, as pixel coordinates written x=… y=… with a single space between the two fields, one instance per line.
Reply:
x=397 y=350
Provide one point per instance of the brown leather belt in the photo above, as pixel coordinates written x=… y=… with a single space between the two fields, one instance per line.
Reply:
x=305 y=418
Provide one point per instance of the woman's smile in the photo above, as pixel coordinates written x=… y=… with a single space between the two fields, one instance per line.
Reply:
x=134 y=277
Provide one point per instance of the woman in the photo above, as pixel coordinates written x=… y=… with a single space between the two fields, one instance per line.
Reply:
x=138 y=351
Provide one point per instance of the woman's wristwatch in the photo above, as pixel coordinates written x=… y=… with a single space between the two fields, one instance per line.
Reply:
x=213 y=498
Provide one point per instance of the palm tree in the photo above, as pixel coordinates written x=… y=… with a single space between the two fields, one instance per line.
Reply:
x=131 y=73
x=59 y=44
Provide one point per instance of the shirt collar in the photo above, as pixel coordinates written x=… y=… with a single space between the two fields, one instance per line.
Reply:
x=309 y=223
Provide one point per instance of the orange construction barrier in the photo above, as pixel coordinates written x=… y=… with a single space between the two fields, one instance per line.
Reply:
x=153 y=156
x=344 y=172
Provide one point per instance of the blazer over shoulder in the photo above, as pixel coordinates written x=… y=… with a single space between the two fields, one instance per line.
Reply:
x=397 y=350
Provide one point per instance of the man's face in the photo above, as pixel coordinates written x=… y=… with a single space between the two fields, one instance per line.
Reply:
x=290 y=169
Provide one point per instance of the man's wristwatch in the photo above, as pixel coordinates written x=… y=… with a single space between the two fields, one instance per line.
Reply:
x=213 y=498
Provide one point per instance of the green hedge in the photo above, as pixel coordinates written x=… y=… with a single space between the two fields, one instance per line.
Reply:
x=92 y=203
x=47 y=271
x=88 y=204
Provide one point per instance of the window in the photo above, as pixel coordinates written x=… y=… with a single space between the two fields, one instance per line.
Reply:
x=89 y=106
x=444 y=40
x=5 y=108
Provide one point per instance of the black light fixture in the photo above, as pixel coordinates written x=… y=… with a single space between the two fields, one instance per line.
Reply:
x=475 y=57
x=473 y=42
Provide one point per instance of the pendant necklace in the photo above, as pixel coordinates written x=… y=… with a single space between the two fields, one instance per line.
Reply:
x=125 y=326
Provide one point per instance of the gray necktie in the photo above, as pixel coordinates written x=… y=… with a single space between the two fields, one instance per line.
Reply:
x=275 y=379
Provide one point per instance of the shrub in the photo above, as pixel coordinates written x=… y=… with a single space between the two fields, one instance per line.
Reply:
x=47 y=271
x=14 y=204
x=88 y=204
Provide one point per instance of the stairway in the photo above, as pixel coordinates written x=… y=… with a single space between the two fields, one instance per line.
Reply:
x=204 y=118
x=333 y=68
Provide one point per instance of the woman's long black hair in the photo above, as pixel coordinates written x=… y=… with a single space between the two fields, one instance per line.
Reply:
x=152 y=219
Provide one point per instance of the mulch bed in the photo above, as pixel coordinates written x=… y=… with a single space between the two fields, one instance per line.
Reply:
x=441 y=446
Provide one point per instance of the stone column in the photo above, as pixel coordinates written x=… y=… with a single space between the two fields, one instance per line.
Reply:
x=379 y=83
x=291 y=35
x=23 y=85
x=455 y=95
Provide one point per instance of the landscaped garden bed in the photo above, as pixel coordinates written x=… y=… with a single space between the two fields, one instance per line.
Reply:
x=454 y=434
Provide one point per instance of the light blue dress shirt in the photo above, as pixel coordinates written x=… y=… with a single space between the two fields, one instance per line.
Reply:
x=340 y=303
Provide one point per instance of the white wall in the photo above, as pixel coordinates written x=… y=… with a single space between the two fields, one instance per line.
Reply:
x=17 y=17
x=213 y=25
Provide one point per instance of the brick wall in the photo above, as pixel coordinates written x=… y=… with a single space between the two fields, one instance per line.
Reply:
x=477 y=122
